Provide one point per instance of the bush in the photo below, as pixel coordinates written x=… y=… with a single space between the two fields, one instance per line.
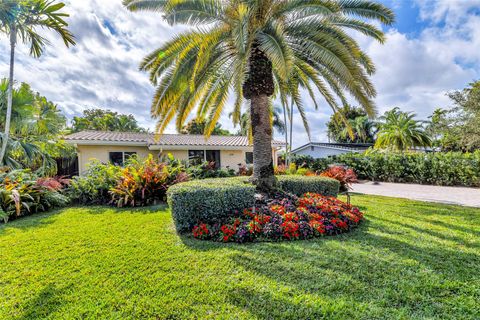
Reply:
x=209 y=200
x=299 y=185
x=94 y=186
x=23 y=193
x=143 y=183
x=343 y=175
x=439 y=168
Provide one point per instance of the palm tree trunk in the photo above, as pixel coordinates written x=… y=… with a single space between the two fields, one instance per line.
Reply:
x=13 y=38
x=263 y=175
x=291 y=128
x=287 y=153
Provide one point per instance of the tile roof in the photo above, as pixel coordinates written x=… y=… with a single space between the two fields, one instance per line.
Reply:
x=165 y=139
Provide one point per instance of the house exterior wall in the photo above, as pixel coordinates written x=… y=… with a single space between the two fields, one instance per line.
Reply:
x=101 y=152
x=321 y=152
x=228 y=158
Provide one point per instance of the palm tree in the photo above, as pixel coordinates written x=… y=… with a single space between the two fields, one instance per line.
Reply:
x=399 y=131
x=20 y=20
x=253 y=50
x=277 y=123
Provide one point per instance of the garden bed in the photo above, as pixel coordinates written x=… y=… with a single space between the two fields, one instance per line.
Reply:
x=285 y=217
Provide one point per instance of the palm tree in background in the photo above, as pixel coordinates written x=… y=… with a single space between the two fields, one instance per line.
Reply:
x=275 y=118
x=20 y=20
x=256 y=50
x=399 y=131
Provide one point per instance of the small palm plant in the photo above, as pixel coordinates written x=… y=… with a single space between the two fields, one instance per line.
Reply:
x=399 y=131
x=253 y=50
x=20 y=20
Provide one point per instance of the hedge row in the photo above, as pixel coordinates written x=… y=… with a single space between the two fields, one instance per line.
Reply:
x=215 y=200
x=439 y=168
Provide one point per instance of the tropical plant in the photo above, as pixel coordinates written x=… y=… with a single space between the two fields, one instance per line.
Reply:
x=345 y=176
x=277 y=123
x=351 y=125
x=253 y=49
x=35 y=130
x=197 y=126
x=105 y=120
x=399 y=131
x=20 y=20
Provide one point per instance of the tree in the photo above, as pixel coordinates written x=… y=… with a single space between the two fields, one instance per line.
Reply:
x=105 y=120
x=197 y=126
x=255 y=50
x=399 y=131
x=20 y=20
x=351 y=125
x=35 y=129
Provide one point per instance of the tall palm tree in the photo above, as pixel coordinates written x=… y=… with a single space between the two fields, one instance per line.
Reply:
x=20 y=20
x=277 y=123
x=399 y=131
x=253 y=49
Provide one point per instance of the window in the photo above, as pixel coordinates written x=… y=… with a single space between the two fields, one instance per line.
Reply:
x=200 y=156
x=213 y=156
x=248 y=157
x=196 y=156
x=119 y=158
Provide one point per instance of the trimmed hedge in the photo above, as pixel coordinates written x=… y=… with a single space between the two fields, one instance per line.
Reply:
x=438 y=168
x=209 y=200
x=214 y=200
x=299 y=185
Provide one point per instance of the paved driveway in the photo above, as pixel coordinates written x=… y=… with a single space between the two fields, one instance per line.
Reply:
x=451 y=195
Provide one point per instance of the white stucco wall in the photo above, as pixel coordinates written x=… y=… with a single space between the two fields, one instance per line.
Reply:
x=321 y=152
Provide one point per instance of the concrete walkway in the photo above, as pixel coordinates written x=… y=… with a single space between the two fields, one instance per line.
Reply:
x=450 y=195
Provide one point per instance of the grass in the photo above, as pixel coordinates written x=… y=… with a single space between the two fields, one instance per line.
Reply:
x=408 y=260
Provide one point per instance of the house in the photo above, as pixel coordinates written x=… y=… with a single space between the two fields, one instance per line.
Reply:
x=116 y=147
x=324 y=150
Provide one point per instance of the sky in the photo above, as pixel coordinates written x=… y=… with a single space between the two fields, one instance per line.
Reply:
x=433 y=48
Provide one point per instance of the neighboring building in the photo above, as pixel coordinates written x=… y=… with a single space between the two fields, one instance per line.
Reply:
x=116 y=147
x=323 y=150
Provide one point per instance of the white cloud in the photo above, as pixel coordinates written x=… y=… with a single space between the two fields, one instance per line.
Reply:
x=102 y=70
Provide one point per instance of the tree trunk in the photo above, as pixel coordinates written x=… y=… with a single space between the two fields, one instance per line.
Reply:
x=13 y=38
x=287 y=151
x=263 y=175
x=291 y=132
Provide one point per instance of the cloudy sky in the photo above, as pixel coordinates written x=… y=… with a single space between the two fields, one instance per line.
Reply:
x=433 y=47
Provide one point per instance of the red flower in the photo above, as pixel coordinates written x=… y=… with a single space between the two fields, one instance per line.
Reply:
x=290 y=230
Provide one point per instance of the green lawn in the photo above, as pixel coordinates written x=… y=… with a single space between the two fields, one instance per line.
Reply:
x=408 y=260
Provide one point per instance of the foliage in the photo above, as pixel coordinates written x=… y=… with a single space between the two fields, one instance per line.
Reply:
x=299 y=185
x=288 y=218
x=143 y=183
x=197 y=126
x=23 y=193
x=345 y=176
x=208 y=200
x=36 y=127
x=306 y=161
x=246 y=124
x=439 y=168
x=94 y=186
x=399 y=131
x=105 y=120
x=458 y=128
x=351 y=125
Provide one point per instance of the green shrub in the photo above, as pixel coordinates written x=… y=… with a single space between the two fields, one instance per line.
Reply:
x=300 y=185
x=209 y=200
x=439 y=168
x=94 y=186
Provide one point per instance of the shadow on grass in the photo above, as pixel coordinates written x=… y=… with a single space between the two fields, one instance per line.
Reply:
x=36 y=220
x=44 y=303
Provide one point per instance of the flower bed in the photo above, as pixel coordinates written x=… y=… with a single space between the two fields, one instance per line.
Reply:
x=285 y=217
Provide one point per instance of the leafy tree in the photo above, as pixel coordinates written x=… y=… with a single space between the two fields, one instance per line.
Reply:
x=105 y=120
x=253 y=49
x=399 y=131
x=351 y=125
x=20 y=20
x=35 y=129
x=197 y=126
